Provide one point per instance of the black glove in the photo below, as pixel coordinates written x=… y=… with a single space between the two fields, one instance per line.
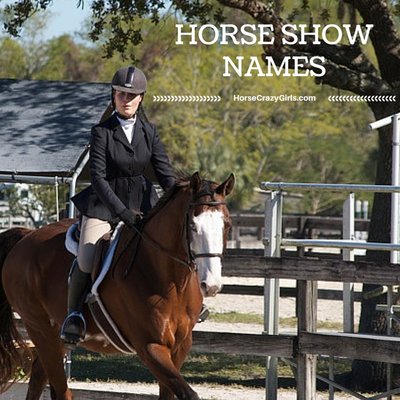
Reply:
x=131 y=217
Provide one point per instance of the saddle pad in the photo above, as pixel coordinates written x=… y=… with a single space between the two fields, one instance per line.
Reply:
x=107 y=259
x=100 y=315
x=71 y=244
x=99 y=312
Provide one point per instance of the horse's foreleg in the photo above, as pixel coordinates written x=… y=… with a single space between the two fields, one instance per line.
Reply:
x=165 y=393
x=51 y=355
x=178 y=358
x=158 y=359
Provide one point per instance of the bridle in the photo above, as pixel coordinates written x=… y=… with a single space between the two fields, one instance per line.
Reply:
x=190 y=262
x=212 y=203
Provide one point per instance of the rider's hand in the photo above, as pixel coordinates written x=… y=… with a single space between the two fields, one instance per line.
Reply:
x=131 y=217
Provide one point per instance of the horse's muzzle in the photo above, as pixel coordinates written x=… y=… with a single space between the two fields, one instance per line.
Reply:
x=210 y=291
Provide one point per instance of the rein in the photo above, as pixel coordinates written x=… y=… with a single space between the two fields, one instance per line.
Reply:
x=191 y=259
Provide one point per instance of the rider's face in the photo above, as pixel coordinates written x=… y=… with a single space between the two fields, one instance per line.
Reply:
x=127 y=103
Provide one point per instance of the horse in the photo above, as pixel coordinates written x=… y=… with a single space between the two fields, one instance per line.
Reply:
x=153 y=291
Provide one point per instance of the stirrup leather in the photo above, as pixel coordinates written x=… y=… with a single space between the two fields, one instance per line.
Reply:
x=73 y=329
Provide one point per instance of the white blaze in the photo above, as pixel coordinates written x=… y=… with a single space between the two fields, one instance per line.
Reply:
x=208 y=237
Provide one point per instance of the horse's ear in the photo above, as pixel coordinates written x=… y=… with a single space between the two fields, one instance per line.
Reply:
x=226 y=187
x=195 y=182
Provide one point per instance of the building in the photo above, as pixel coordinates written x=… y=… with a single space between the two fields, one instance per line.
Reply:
x=44 y=133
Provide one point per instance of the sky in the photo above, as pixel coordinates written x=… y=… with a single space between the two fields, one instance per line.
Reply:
x=66 y=17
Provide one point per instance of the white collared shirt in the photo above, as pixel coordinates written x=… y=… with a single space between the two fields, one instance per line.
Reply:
x=128 y=126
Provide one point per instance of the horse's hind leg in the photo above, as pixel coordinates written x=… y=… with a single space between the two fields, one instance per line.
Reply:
x=37 y=381
x=51 y=356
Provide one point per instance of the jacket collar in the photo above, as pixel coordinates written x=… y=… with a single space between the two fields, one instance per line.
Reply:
x=120 y=135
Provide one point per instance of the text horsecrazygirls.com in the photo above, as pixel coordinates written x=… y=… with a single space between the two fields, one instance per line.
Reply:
x=262 y=34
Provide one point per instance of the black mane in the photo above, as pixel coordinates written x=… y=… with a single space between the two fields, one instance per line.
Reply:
x=182 y=181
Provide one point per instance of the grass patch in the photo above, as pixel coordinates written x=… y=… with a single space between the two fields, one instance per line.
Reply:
x=291 y=322
x=219 y=369
x=288 y=322
x=198 y=368
x=235 y=318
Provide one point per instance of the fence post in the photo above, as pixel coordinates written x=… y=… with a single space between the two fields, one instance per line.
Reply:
x=236 y=233
x=394 y=257
x=348 y=255
x=272 y=242
x=307 y=322
x=394 y=229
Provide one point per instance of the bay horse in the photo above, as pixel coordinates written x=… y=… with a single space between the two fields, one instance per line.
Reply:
x=154 y=297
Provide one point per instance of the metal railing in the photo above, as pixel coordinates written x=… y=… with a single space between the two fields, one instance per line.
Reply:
x=273 y=242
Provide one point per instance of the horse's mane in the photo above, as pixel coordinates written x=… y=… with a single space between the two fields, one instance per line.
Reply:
x=182 y=181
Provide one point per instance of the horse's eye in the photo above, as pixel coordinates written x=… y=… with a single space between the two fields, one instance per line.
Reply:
x=193 y=227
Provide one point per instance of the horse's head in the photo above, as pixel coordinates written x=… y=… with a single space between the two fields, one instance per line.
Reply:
x=209 y=226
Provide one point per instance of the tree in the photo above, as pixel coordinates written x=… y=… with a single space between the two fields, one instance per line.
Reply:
x=256 y=140
x=38 y=203
x=12 y=58
x=348 y=67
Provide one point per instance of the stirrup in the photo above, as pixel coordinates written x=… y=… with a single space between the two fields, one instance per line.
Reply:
x=204 y=313
x=73 y=329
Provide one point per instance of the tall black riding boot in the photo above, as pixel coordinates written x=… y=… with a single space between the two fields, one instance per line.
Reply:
x=74 y=327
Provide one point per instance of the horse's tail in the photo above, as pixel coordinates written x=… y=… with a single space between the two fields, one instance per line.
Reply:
x=13 y=349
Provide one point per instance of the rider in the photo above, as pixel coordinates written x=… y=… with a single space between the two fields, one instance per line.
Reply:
x=120 y=149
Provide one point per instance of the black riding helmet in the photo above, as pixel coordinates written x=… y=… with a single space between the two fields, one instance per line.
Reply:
x=128 y=79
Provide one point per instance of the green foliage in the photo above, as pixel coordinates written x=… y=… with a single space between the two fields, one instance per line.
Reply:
x=286 y=141
x=39 y=206
x=12 y=58
x=315 y=141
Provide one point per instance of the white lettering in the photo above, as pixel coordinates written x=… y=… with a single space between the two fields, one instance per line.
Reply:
x=214 y=30
x=180 y=33
x=263 y=34
x=319 y=66
x=358 y=32
x=289 y=30
x=232 y=34
x=272 y=66
x=338 y=31
x=299 y=63
x=314 y=34
x=229 y=62
x=265 y=31
x=248 y=33
x=254 y=64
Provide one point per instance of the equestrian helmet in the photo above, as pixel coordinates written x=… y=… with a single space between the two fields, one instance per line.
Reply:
x=129 y=79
